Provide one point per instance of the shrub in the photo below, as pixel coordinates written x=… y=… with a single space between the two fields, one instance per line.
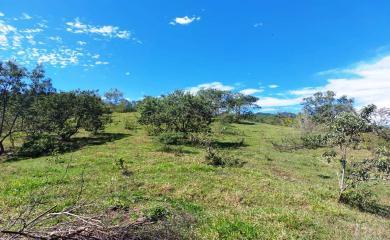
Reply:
x=218 y=159
x=314 y=141
x=130 y=124
x=38 y=145
x=363 y=198
x=157 y=213
x=172 y=138
x=227 y=118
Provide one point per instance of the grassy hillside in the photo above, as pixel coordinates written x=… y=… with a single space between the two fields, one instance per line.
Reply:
x=275 y=195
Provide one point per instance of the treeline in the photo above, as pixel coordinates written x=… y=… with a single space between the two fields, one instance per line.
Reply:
x=336 y=126
x=182 y=114
x=34 y=113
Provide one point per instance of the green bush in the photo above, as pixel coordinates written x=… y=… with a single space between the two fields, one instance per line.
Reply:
x=130 y=124
x=227 y=118
x=172 y=138
x=363 y=198
x=314 y=141
x=218 y=159
x=157 y=213
x=38 y=145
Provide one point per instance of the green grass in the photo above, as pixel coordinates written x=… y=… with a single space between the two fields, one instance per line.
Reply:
x=275 y=195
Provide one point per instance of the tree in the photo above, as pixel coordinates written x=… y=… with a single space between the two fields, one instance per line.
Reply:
x=216 y=98
x=179 y=112
x=114 y=96
x=12 y=104
x=323 y=107
x=241 y=104
x=64 y=114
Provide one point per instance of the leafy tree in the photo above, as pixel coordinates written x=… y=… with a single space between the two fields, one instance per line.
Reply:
x=64 y=114
x=217 y=99
x=345 y=133
x=241 y=104
x=323 y=107
x=12 y=104
x=176 y=112
x=114 y=96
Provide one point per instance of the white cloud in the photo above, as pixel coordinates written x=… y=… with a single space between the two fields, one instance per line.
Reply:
x=127 y=73
x=278 y=102
x=212 y=85
x=370 y=84
x=101 y=63
x=81 y=43
x=6 y=29
x=250 y=91
x=184 y=20
x=25 y=16
x=55 y=38
x=257 y=25
x=32 y=30
x=273 y=86
x=3 y=41
x=106 y=31
x=2 y=14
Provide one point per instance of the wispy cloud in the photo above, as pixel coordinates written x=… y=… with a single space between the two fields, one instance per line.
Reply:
x=212 y=85
x=368 y=83
x=81 y=43
x=257 y=25
x=31 y=44
x=278 y=102
x=76 y=26
x=184 y=20
x=251 y=91
x=2 y=14
x=25 y=16
x=273 y=86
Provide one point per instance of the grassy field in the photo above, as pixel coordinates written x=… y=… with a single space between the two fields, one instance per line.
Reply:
x=275 y=195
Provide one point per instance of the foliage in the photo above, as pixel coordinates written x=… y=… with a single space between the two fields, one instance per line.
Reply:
x=218 y=99
x=216 y=158
x=324 y=107
x=114 y=96
x=38 y=145
x=282 y=119
x=130 y=124
x=172 y=138
x=64 y=114
x=313 y=141
x=179 y=112
x=18 y=89
x=362 y=198
x=241 y=105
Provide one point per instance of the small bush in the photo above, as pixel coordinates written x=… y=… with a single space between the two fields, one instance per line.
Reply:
x=157 y=213
x=38 y=145
x=314 y=141
x=363 y=199
x=172 y=138
x=227 y=118
x=218 y=159
x=120 y=163
x=130 y=124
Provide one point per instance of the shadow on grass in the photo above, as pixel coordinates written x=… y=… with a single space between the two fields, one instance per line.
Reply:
x=229 y=145
x=246 y=123
x=377 y=209
x=76 y=143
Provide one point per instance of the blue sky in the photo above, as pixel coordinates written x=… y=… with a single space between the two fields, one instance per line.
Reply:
x=280 y=51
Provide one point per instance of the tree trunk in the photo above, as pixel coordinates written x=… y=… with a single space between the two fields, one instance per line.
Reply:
x=343 y=162
x=1 y=148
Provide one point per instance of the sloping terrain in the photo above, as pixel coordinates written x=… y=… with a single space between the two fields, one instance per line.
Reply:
x=274 y=195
